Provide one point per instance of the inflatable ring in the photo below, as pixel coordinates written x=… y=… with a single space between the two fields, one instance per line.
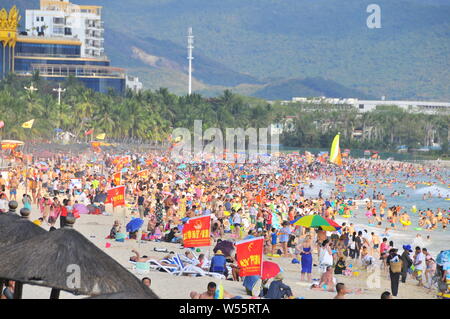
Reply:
x=405 y=223
x=274 y=255
x=418 y=228
x=444 y=296
x=346 y=216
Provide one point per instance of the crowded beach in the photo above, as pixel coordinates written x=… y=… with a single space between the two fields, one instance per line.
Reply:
x=351 y=240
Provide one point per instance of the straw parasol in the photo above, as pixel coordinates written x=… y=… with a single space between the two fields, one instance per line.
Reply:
x=7 y=218
x=19 y=230
x=14 y=229
x=65 y=260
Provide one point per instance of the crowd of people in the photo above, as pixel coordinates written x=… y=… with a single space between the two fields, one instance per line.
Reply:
x=244 y=201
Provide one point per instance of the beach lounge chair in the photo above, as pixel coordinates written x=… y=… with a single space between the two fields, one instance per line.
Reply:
x=142 y=268
x=207 y=265
x=153 y=264
x=178 y=268
x=189 y=269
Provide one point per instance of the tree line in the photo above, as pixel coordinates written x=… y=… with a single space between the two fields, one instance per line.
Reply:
x=152 y=115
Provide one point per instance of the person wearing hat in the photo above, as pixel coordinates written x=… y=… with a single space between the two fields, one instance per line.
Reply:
x=406 y=261
x=392 y=258
x=277 y=289
x=219 y=264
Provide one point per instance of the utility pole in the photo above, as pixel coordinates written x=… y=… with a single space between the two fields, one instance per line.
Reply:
x=30 y=89
x=59 y=90
x=190 y=47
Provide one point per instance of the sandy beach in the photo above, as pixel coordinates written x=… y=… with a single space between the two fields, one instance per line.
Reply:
x=96 y=228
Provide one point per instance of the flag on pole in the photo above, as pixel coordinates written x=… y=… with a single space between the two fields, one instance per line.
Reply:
x=196 y=232
x=309 y=157
x=249 y=255
x=101 y=136
x=116 y=196
x=335 y=152
x=117 y=178
x=88 y=132
x=28 y=124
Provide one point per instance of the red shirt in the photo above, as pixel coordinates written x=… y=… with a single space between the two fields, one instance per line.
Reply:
x=269 y=219
x=64 y=211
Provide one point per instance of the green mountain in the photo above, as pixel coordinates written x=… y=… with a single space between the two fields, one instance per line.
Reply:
x=254 y=43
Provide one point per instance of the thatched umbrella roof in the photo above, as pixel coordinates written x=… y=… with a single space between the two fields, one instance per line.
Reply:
x=125 y=295
x=7 y=218
x=19 y=229
x=66 y=260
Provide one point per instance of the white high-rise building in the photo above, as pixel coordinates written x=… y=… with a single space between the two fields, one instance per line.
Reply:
x=60 y=18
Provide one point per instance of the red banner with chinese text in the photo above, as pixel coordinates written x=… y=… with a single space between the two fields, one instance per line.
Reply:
x=116 y=196
x=249 y=256
x=196 y=232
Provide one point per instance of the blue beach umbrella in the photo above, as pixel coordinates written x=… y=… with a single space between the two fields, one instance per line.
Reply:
x=134 y=225
x=443 y=257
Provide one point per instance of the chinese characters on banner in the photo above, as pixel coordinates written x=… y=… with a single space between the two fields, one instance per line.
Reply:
x=117 y=178
x=116 y=196
x=249 y=256
x=196 y=232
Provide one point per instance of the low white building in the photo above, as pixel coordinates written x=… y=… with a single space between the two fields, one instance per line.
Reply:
x=370 y=105
x=412 y=106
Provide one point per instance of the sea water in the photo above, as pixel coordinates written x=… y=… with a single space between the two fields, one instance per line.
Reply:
x=439 y=238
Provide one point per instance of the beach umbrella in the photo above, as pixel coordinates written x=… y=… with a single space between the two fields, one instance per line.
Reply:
x=66 y=260
x=225 y=246
x=314 y=221
x=7 y=218
x=269 y=270
x=81 y=209
x=443 y=257
x=6 y=221
x=19 y=230
x=333 y=223
x=134 y=225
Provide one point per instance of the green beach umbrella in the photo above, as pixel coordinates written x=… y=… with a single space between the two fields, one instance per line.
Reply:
x=316 y=221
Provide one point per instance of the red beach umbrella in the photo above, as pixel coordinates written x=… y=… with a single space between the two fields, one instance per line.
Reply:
x=333 y=223
x=269 y=270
